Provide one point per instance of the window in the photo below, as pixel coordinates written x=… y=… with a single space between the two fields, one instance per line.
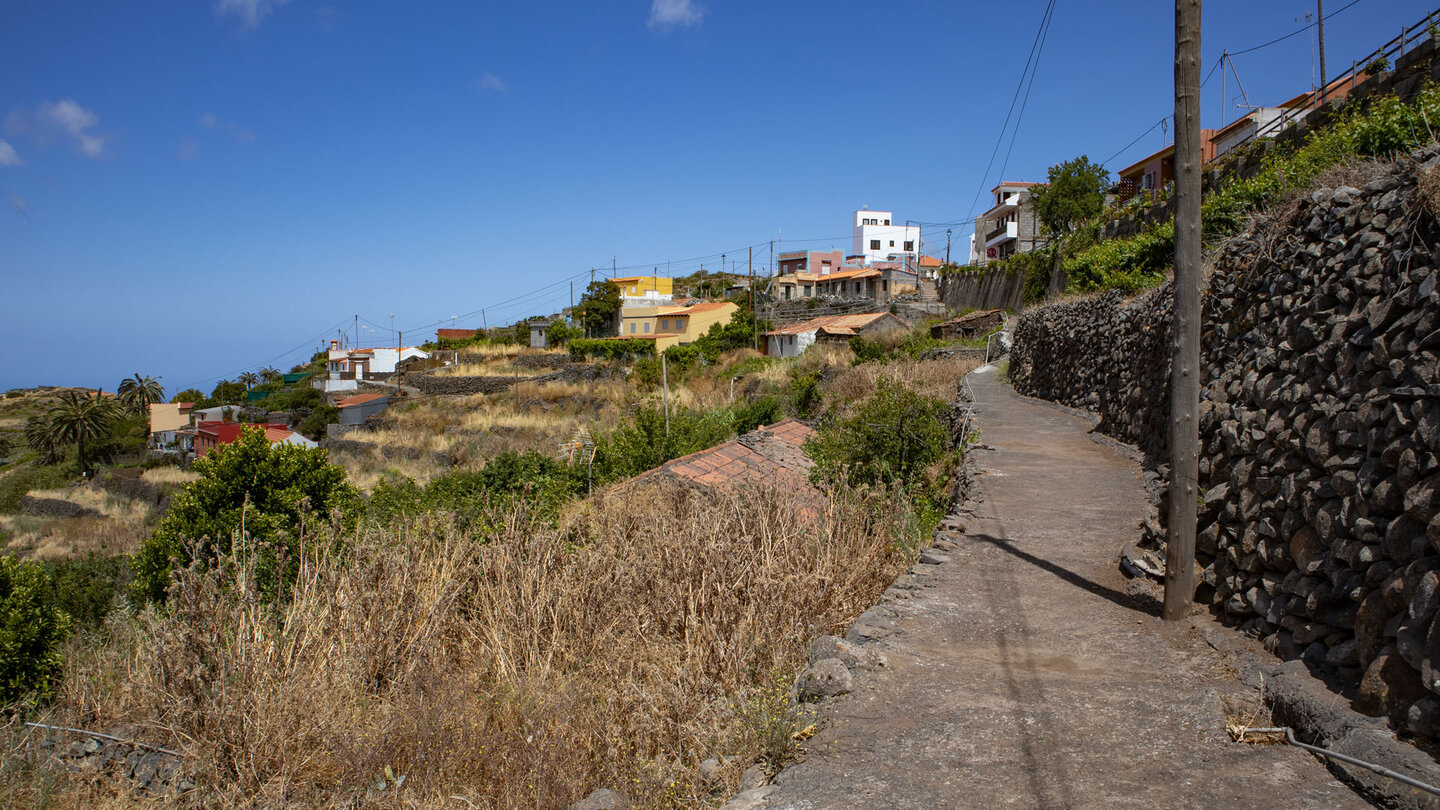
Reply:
x=885 y=285
x=632 y=328
x=887 y=222
x=909 y=245
x=874 y=244
x=892 y=243
x=647 y=327
x=808 y=294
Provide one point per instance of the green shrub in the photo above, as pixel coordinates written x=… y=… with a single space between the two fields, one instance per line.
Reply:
x=1131 y=264
x=866 y=351
x=313 y=426
x=891 y=438
x=631 y=449
x=805 y=393
x=559 y=333
x=86 y=589
x=251 y=485
x=597 y=349
x=758 y=413
x=32 y=628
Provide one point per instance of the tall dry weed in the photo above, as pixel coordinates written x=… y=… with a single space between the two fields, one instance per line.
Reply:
x=521 y=669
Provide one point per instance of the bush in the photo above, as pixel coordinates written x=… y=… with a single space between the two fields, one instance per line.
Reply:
x=1130 y=264
x=32 y=628
x=559 y=333
x=313 y=426
x=891 y=438
x=867 y=350
x=632 y=449
x=247 y=484
x=595 y=348
x=86 y=589
x=19 y=482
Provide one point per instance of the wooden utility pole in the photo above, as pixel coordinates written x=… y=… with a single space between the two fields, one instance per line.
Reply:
x=665 y=389
x=1185 y=360
x=754 y=319
x=1320 y=22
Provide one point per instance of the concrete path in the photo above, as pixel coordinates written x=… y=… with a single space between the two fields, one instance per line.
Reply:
x=1023 y=675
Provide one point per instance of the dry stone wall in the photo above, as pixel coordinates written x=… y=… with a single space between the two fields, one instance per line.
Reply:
x=1320 y=427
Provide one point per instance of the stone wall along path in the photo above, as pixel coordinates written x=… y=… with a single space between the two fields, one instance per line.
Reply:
x=1021 y=673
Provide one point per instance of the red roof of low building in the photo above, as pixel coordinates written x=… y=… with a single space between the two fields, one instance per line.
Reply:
x=358 y=399
x=455 y=334
x=930 y=261
x=772 y=456
x=833 y=324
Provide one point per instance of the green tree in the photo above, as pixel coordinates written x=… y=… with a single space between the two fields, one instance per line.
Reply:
x=6 y=445
x=559 y=333
x=228 y=392
x=598 y=307
x=248 y=483
x=891 y=437
x=40 y=439
x=248 y=379
x=189 y=395
x=1076 y=192
x=138 y=393
x=31 y=631
x=81 y=420
x=271 y=374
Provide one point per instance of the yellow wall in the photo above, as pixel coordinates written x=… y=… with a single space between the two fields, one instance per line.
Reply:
x=638 y=285
x=692 y=324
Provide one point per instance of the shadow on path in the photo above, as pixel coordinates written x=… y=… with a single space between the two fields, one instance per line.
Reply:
x=1142 y=604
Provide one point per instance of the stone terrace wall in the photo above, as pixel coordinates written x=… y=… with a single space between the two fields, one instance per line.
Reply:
x=452 y=385
x=1320 y=428
x=984 y=289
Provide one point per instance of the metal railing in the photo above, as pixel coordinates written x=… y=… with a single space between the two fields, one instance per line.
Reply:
x=1411 y=36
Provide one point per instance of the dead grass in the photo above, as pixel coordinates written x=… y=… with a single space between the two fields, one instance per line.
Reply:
x=121 y=528
x=161 y=476
x=618 y=650
x=937 y=378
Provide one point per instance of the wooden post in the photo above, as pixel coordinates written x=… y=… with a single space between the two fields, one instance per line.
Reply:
x=1185 y=360
x=665 y=386
x=1320 y=36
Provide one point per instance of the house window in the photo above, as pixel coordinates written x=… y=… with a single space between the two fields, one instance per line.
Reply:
x=887 y=222
x=807 y=291
x=647 y=327
x=892 y=243
x=874 y=244
x=885 y=286
x=909 y=245
x=632 y=328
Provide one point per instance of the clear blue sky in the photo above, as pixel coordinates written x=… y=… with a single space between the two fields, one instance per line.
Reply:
x=193 y=189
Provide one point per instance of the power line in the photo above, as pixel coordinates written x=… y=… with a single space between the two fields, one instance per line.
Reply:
x=1013 y=99
x=1045 y=34
x=1298 y=32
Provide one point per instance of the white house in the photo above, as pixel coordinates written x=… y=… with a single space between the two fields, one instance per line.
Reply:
x=345 y=367
x=878 y=239
x=793 y=340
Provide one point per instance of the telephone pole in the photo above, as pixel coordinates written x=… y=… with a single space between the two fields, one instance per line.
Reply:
x=1320 y=22
x=1185 y=359
x=947 y=245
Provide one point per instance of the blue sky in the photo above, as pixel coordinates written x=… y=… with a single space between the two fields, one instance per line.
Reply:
x=193 y=189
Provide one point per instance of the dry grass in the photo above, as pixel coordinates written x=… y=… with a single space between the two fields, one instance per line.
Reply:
x=122 y=527
x=161 y=476
x=618 y=650
x=936 y=378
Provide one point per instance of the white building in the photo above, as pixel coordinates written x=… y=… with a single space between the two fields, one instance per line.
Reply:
x=877 y=239
x=345 y=367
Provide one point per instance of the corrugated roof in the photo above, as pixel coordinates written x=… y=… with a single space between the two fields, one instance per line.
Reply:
x=358 y=399
x=830 y=323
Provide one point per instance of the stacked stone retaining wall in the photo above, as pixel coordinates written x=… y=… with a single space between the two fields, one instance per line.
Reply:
x=1319 y=423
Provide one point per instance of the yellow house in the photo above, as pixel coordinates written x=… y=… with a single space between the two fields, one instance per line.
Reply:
x=644 y=286
x=671 y=326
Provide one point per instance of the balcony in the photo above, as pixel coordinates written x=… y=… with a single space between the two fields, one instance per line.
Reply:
x=1007 y=230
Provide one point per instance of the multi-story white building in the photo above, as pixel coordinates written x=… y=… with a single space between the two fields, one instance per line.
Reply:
x=1009 y=227
x=877 y=239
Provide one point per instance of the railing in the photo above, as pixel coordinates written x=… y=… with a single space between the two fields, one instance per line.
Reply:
x=1411 y=36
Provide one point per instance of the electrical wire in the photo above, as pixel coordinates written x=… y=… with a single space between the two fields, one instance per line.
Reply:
x=1045 y=34
x=1013 y=99
x=1331 y=15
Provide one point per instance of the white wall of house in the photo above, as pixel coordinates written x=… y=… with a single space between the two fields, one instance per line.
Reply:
x=298 y=440
x=330 y=386
x=789 y=345
x=877 y=237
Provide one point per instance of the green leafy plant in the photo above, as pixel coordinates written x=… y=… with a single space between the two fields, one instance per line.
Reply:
x=248 y=488
x=890 y=438
x=32 y=628
x=1075 y=193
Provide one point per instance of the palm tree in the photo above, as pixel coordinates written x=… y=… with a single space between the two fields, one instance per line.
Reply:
x=81 y=418
x=271 y=374
x=248 y=379
x=37 y=435
x=139 y=393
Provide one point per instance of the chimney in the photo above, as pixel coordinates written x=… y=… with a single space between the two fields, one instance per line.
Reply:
x=334 y=345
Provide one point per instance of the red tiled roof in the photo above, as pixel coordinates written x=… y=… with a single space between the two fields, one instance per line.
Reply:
x=277 y=434
x=831 y=323
x=772 y=456
x=930 y=261
x=358 y=399
x=453 y=334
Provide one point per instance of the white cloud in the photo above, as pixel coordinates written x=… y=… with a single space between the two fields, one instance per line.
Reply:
x=490 y=81
x=250 y=12
x=666 y=14
x=188 y=149
x=20 y=204
x=8 y=155
x=237 y=132
x=59 y=119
